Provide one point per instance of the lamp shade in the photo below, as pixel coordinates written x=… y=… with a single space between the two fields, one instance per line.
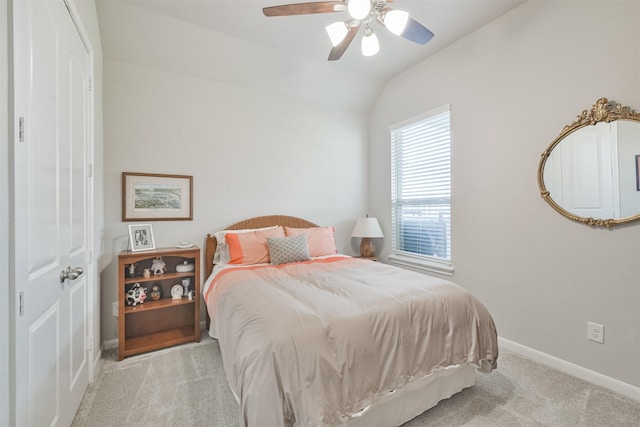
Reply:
x=367 y=227
x=370 y=44
x=359 y=9
x=396 y=21
x=337 y=32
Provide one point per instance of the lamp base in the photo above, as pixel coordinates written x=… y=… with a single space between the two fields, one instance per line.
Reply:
x=367 y=248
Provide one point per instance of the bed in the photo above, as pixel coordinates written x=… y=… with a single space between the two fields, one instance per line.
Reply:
x=332 y=340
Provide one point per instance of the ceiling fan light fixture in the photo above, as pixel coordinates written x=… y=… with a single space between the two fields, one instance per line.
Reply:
x=370 y=44
x=337 y=32
x=359 y=9
x=396 y=21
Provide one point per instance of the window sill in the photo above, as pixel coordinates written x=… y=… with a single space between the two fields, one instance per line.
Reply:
x=421 y=264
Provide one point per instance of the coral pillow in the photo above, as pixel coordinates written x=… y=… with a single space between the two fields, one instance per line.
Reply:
x=251 y=248
x=321 y=240
x=221 y=255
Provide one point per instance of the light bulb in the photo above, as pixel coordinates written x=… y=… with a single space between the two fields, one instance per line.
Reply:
x=337 y=32
x=396 y=21
x=359 y=9
x=370 y=45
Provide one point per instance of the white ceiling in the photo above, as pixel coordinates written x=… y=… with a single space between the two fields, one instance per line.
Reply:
x=232 y=42
x=304 y=35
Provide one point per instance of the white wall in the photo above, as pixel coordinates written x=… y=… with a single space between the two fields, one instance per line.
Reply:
x=250 y=153
x=513 y=85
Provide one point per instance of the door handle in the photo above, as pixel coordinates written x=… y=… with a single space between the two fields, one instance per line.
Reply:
x=70 y=273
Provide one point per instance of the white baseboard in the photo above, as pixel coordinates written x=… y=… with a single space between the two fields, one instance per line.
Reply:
x=97 y=361
x=571 y=369
x=108 y=345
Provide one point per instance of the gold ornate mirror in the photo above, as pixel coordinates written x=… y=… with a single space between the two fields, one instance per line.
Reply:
x=591 y=172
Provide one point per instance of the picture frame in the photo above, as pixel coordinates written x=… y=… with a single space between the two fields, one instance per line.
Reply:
x=637 y=172
x=141 y=237
x=156 y=197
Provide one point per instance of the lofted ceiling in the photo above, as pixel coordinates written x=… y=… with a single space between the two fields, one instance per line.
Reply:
x=277 y=43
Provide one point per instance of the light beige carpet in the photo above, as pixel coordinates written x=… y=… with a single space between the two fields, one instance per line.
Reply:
x=186 y=386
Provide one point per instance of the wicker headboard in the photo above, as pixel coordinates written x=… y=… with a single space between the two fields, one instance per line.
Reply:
x=258 y=222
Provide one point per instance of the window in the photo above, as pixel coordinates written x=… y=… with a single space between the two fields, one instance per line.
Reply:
x=421 y=191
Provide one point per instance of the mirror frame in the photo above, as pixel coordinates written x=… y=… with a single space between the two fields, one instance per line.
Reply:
x=602 y=111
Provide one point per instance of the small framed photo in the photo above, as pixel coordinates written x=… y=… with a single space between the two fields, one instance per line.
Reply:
x=141 y=237
x=156 y=197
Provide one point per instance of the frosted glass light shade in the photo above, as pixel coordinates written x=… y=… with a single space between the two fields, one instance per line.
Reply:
x=359 y=9
x=337 y=32
x=367 y=227
x=370 y=44
x=396 y=21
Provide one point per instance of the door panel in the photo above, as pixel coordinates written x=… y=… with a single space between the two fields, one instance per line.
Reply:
x=77 y=244
x=78 y=155
x=78 y=333
x=44 y=366
x=42 y=152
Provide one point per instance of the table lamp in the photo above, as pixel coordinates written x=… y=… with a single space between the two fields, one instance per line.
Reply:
x=367 y=228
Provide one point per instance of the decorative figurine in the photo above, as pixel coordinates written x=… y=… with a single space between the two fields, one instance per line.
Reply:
x=147 y=273
x=136 y=295
x=185 y=267
x=158 y=265
x=185 y=284
x=156 y=292
x=132 y=269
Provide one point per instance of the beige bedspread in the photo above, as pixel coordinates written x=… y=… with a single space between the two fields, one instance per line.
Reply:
x=315 y=343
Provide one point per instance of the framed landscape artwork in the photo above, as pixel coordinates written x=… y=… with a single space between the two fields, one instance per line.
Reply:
x=156 y=197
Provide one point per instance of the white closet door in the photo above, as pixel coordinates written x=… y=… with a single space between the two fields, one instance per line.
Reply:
x=51 y=157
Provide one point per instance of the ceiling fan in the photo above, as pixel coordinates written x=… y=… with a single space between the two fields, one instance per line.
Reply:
x=361 y=13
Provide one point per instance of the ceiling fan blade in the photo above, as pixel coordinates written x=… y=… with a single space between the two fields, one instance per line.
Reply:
x=337 y=51
x=304 y=8
x=416 y=32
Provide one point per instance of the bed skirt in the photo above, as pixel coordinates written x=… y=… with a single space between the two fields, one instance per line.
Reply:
x=416 y=397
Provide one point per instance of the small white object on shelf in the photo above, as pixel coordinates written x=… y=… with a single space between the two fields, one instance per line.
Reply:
x=185 y=267
x=158 y=265
x=184 y=245
x=176 y=292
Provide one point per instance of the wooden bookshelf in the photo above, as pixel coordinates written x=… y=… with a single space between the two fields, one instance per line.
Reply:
x=156 y=324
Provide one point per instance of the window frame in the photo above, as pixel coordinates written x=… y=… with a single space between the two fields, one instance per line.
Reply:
x=410 y=259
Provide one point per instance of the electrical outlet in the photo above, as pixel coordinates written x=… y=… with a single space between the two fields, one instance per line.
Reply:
x=595 y=332
x=114 y=309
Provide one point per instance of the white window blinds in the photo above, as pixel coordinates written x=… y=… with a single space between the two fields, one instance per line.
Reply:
x=421 y=186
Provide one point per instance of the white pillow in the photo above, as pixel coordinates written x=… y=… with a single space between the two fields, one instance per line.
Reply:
x=221 y=256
